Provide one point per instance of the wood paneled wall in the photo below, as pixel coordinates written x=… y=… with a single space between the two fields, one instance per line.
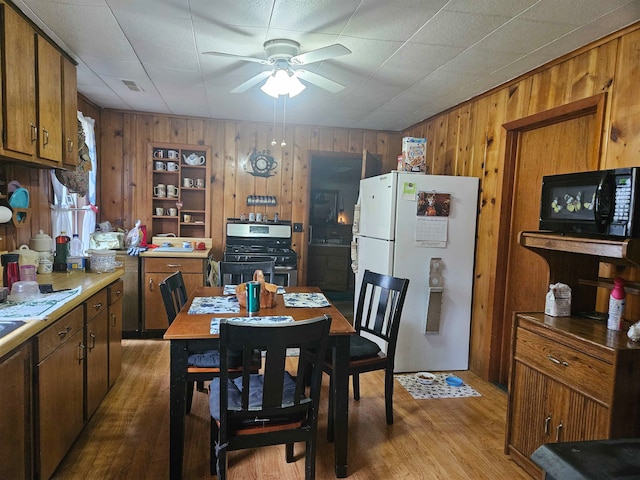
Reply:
x=470 y=140
x=125 y=176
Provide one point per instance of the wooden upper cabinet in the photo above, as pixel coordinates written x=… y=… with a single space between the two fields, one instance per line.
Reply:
x=49 y=77
x=69 y=112
x=39 y=96
x=19 y=103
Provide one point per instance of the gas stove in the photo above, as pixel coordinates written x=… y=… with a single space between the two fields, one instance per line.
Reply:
x=252 y=241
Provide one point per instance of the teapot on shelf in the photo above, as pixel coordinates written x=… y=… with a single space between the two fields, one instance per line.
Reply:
x=194 y=159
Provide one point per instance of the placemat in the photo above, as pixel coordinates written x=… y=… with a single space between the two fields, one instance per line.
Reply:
x=202 y=305
x=37 y=308
x=305 y=300
x=438 y=389
x=215 y=321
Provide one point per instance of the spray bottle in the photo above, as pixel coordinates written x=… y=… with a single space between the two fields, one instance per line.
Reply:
x=616 y=305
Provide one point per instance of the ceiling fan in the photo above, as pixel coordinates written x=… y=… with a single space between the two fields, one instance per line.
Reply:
x=283 y=55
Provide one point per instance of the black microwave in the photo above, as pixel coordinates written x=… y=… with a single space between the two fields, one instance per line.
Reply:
x=599 y=203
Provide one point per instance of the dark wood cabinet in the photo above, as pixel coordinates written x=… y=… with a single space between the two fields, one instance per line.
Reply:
x=115 y=297
x=59 y=392
x=571 y=378
x=330 y=267
x=16 y=416
x=97 y=351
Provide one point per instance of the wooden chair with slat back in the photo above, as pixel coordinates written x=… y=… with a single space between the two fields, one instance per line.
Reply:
x=273 y=407
x=203 y=366
x=377 y=315
x=240 y=272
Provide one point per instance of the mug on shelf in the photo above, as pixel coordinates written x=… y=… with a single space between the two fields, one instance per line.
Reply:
x=172 y=154
x=172 y=191
x=172 y=166
x=258 y=217
x=159 y=211
x=187 y=182
x=160 y=190
x=187 y=218
x=199 y=183
x=173 y=212
x=160 y=166
x=252 y=217
x=158 y=154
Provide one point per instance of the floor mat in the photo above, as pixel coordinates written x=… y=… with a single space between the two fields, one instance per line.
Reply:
x=438 y=389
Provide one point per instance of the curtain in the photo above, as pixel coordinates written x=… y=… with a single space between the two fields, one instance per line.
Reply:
x=71 y=213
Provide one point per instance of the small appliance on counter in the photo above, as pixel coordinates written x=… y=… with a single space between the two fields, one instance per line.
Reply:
x=595 y=203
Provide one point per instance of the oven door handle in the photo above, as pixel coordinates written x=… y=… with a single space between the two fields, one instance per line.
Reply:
x=310 y=234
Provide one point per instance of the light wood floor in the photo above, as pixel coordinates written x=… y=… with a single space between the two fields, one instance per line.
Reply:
x=128 y=437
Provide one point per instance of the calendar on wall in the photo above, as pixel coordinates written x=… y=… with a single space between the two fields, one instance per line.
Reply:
x=432 y=219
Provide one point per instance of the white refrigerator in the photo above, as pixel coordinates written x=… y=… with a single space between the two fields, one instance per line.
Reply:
x=423 y=227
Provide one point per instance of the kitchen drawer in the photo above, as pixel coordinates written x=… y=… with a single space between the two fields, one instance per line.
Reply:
x=170 y=265
x=115 y=291
x=58 y=333
x=575 y=369
x=337 y=263
x=96 y=304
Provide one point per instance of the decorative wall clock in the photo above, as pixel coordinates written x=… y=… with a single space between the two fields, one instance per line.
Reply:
x=262 y=163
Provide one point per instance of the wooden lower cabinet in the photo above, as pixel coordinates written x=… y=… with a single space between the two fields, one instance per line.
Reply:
x=115 y=294
x=155 y=271
x=16 y=417
x=330 y=267
x=97 y=351
x=59 y=392
x=571 y=380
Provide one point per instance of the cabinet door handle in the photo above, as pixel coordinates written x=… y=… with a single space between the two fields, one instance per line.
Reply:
x=34 y=132
x=118 y=293
x=173 y=265
x=151 y=284
x=547 y=421
x=80 y=352
x=69 y=145
x=113 y=320
x=93 y=341
x=558 y=431
x=556 y=361
x=97 y=306
x=45 y=139
x=63 y=333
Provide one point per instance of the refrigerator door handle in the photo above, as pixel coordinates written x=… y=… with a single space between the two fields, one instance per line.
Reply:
x=310 y=241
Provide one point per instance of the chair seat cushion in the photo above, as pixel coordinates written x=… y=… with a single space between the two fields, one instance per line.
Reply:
x=255 y=393
x=362 y=348
x=211 y=359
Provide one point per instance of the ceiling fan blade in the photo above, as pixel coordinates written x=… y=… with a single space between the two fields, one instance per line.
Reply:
x=319 y=54
x=320 y=81
x=238 y=57
x=243 y=87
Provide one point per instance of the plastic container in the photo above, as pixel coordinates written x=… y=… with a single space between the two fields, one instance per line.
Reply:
x=103 y=261
x=24 y=290
x=616 y=305
x=11 y=270
x=28 y=273
x=76 y=249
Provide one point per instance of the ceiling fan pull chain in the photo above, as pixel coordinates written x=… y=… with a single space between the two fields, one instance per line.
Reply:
x=273 y=142
x=284 y=117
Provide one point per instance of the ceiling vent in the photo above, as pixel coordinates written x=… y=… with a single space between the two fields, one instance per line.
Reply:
x=133 y=86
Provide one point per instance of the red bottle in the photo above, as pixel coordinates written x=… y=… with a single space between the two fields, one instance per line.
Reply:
x=11 y=272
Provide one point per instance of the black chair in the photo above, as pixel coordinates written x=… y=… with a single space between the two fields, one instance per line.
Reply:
x=240 y=272
x=204 y=365
x=378 y=314
x=272 y=408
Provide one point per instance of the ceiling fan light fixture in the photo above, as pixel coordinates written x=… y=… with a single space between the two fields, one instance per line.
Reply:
x=282 y=82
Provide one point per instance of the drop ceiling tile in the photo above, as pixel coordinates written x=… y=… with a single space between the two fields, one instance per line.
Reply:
x=459 y=29
x=149 y=53
x=174 y=76
x=421 y=57
x=523 y=36
x=321 y=17
x=114 y=68
x=507 y=8
x=246 y=13
x=156 y=30
x=408 y=19
x=177 y=9
x=574 y=12
x=477 y=61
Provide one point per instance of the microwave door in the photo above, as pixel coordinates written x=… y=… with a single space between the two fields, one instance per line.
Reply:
x=604 y=202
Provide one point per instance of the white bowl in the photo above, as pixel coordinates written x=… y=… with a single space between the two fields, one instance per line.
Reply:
x=425 y=378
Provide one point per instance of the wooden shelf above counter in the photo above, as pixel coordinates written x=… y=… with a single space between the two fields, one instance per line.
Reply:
x=626 y=252
x=575 y=261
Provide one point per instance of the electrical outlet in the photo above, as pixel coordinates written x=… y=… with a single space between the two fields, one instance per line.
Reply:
x=297 y=227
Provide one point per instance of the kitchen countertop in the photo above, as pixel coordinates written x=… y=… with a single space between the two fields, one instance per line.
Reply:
x=91 y=283
x=177 y=242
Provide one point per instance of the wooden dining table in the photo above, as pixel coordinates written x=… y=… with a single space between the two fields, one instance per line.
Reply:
x=191 y=332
